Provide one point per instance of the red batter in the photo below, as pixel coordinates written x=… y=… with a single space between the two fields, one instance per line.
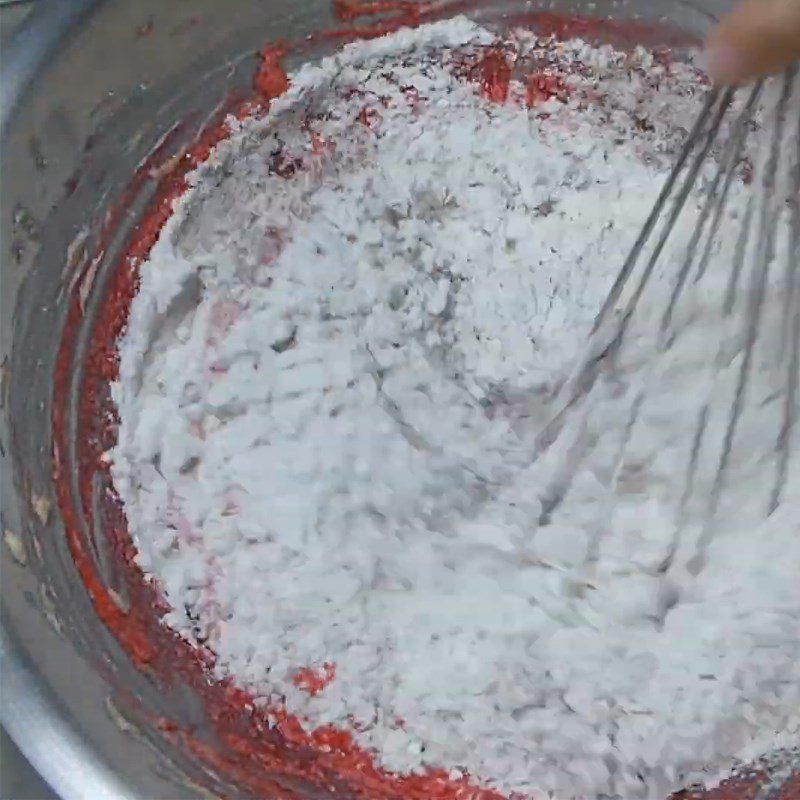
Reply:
x=277 y=762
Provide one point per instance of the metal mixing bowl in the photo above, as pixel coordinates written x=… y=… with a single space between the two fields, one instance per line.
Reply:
x=89 y=88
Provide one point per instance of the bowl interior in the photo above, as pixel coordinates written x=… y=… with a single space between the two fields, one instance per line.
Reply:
x=86 y=152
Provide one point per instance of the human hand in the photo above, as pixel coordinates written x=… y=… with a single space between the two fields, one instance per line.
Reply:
x=757 y=38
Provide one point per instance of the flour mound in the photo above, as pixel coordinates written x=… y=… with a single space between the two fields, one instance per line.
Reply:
x=342 y=349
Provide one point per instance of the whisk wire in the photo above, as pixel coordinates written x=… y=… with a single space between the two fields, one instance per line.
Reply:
x=736 y=148
x=754 y=249
x=714 y=108
x=739 y=258
x=678 y=206
x=657 y=210
x=790 y=340
x=766 y=254
x=727 y=170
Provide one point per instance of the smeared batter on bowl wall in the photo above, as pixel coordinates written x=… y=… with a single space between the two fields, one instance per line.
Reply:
x=490 y=72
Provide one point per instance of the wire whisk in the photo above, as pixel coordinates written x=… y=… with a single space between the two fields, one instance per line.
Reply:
x=696 y=350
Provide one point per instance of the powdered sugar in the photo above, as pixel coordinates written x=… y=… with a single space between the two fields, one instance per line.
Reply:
x=343 y=346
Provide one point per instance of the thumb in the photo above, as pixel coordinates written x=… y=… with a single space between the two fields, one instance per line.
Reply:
x=758 y=38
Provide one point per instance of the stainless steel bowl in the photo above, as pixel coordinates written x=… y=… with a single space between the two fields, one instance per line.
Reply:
x=89 y=88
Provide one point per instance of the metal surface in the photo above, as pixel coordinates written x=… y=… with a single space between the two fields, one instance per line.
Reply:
x=127 y=71
x=18 y=779
x=47 y=24
x=34 y=716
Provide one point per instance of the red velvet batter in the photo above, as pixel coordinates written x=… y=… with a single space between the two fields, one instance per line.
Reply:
x=314 y=681
x=279 y=761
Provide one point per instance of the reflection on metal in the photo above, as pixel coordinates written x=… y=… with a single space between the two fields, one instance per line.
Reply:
x=54 y=747
x=39 y=34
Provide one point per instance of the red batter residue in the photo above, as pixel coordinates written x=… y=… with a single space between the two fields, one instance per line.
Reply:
x=264 y=752
x=493 y=74
x=393 y=14
x=313 y=680
x=270 y=79
x=542 y=87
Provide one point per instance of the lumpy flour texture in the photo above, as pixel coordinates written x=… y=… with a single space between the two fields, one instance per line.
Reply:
x=341 y=351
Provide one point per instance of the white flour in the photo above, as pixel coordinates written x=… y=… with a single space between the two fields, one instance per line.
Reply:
x=330 y=385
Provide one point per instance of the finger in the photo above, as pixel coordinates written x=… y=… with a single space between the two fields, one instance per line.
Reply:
x=758 y=38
